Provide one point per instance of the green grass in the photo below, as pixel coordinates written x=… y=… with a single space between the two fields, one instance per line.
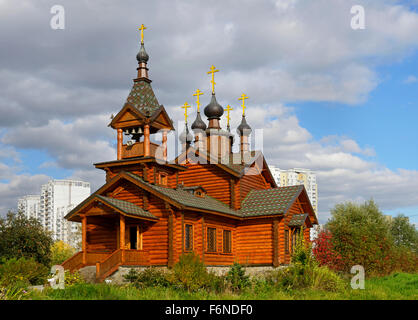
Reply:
x=399 y=286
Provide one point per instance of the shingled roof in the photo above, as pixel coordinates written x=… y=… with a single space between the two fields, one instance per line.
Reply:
x=127 y=207
x=142 y=98
x=270 y=201
x=297 y=220
x=187 y=199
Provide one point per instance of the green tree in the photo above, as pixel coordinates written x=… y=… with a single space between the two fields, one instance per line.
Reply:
x=23 y=237
x=361 y=235
x=404 y=233
x=61 y=251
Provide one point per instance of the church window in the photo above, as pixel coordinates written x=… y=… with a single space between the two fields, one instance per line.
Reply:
x=188 y=237
x=227 y=241
x=163 y=179
x=211 y=239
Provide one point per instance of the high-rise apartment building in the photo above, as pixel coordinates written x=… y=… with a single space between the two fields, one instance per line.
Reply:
x=58 y=197
x=29 y=206
x=297 y=176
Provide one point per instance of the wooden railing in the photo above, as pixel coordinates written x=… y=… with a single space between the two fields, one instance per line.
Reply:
x=137 y=150
x=136 y=258
x=93 y=257
x=119 y=258
x=74 y=262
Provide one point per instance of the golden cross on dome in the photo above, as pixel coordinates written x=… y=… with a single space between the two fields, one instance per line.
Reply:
x=243 y=98
x=185 y=107
x=212 y=71
x=228 y=109
x=142 y=28
x=197 y=94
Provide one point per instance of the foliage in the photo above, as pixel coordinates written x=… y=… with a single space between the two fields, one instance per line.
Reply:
x=150 y=277
x=236 y=277
x=61 y=251
x=404 y=233
x=23 y=237
x=72 y=278
x=324 y=252
x=360 y=234
x=190 y=273
x=22 y=272
x=305 y=273
x=12 y=293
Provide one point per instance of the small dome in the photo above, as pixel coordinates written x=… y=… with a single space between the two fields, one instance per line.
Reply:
x=186 y=136
x=142 y=55
x=198 y=124
x=214 y=110
x=244 y=128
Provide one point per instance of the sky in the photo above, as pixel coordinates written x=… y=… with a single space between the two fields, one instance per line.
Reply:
x=337 y=100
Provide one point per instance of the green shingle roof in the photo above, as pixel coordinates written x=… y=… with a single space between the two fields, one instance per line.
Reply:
x=142 y=97
x=188 y=199
x=297 y=220
x=127 y=207
x=269 y=202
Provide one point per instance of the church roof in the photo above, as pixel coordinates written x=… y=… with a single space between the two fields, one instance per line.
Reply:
x=297 y=220
x=142 y=98
x=270 y=201
x=127 y=207
x=187 y=199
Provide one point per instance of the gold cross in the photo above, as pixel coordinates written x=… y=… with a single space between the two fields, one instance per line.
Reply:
x=185 y=107
x=228 y=109
x=142 y=28
x=243 y=98
x=197 y=94
x=212 y=71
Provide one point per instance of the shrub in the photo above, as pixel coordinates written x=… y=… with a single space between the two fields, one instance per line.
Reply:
x=12 y=293
x=23 y=237
x=72 y=278
x=150 y=277
x=190 y=273
x=324 y=252
x=61 y=251
x=22 y=272
x=322 y=278
x=236 y=277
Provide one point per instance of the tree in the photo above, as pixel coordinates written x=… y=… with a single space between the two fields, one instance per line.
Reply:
x=361 y=235
x=404 y=233
x=24 y=237
x=61 y=251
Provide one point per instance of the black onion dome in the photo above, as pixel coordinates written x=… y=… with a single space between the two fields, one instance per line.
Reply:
x=142 y=55
x=198 y=124
x=186 y=136
x=244 y=128
x=214 y=110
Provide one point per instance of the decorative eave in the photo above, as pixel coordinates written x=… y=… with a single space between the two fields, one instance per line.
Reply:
x=133 y=161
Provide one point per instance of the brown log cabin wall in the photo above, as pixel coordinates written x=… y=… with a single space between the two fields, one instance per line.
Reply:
x=255 y=242
x=155 y=237
x=101 y=238
x=214 y=180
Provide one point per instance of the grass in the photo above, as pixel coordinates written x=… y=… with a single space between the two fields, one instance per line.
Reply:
x=399 y=286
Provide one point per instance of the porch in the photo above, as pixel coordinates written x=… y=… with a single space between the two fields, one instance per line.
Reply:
x=110 y=240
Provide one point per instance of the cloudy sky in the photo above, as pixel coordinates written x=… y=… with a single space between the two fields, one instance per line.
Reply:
x=342 y=102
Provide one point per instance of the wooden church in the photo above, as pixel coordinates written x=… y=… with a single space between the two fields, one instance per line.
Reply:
x=224 y=206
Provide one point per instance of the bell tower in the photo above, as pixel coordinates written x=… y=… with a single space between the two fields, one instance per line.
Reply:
x=141 y=115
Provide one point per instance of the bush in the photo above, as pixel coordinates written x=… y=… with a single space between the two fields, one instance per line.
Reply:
x=150 y=277
x=191 y=274
x=23 y=237
x=22 y=272
x=72 y=278
x=61 y=251
x=12 y=293
x=236 y=277
x=324 y=252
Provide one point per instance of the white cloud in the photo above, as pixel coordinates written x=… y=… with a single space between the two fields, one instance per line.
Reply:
x=411 y=79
